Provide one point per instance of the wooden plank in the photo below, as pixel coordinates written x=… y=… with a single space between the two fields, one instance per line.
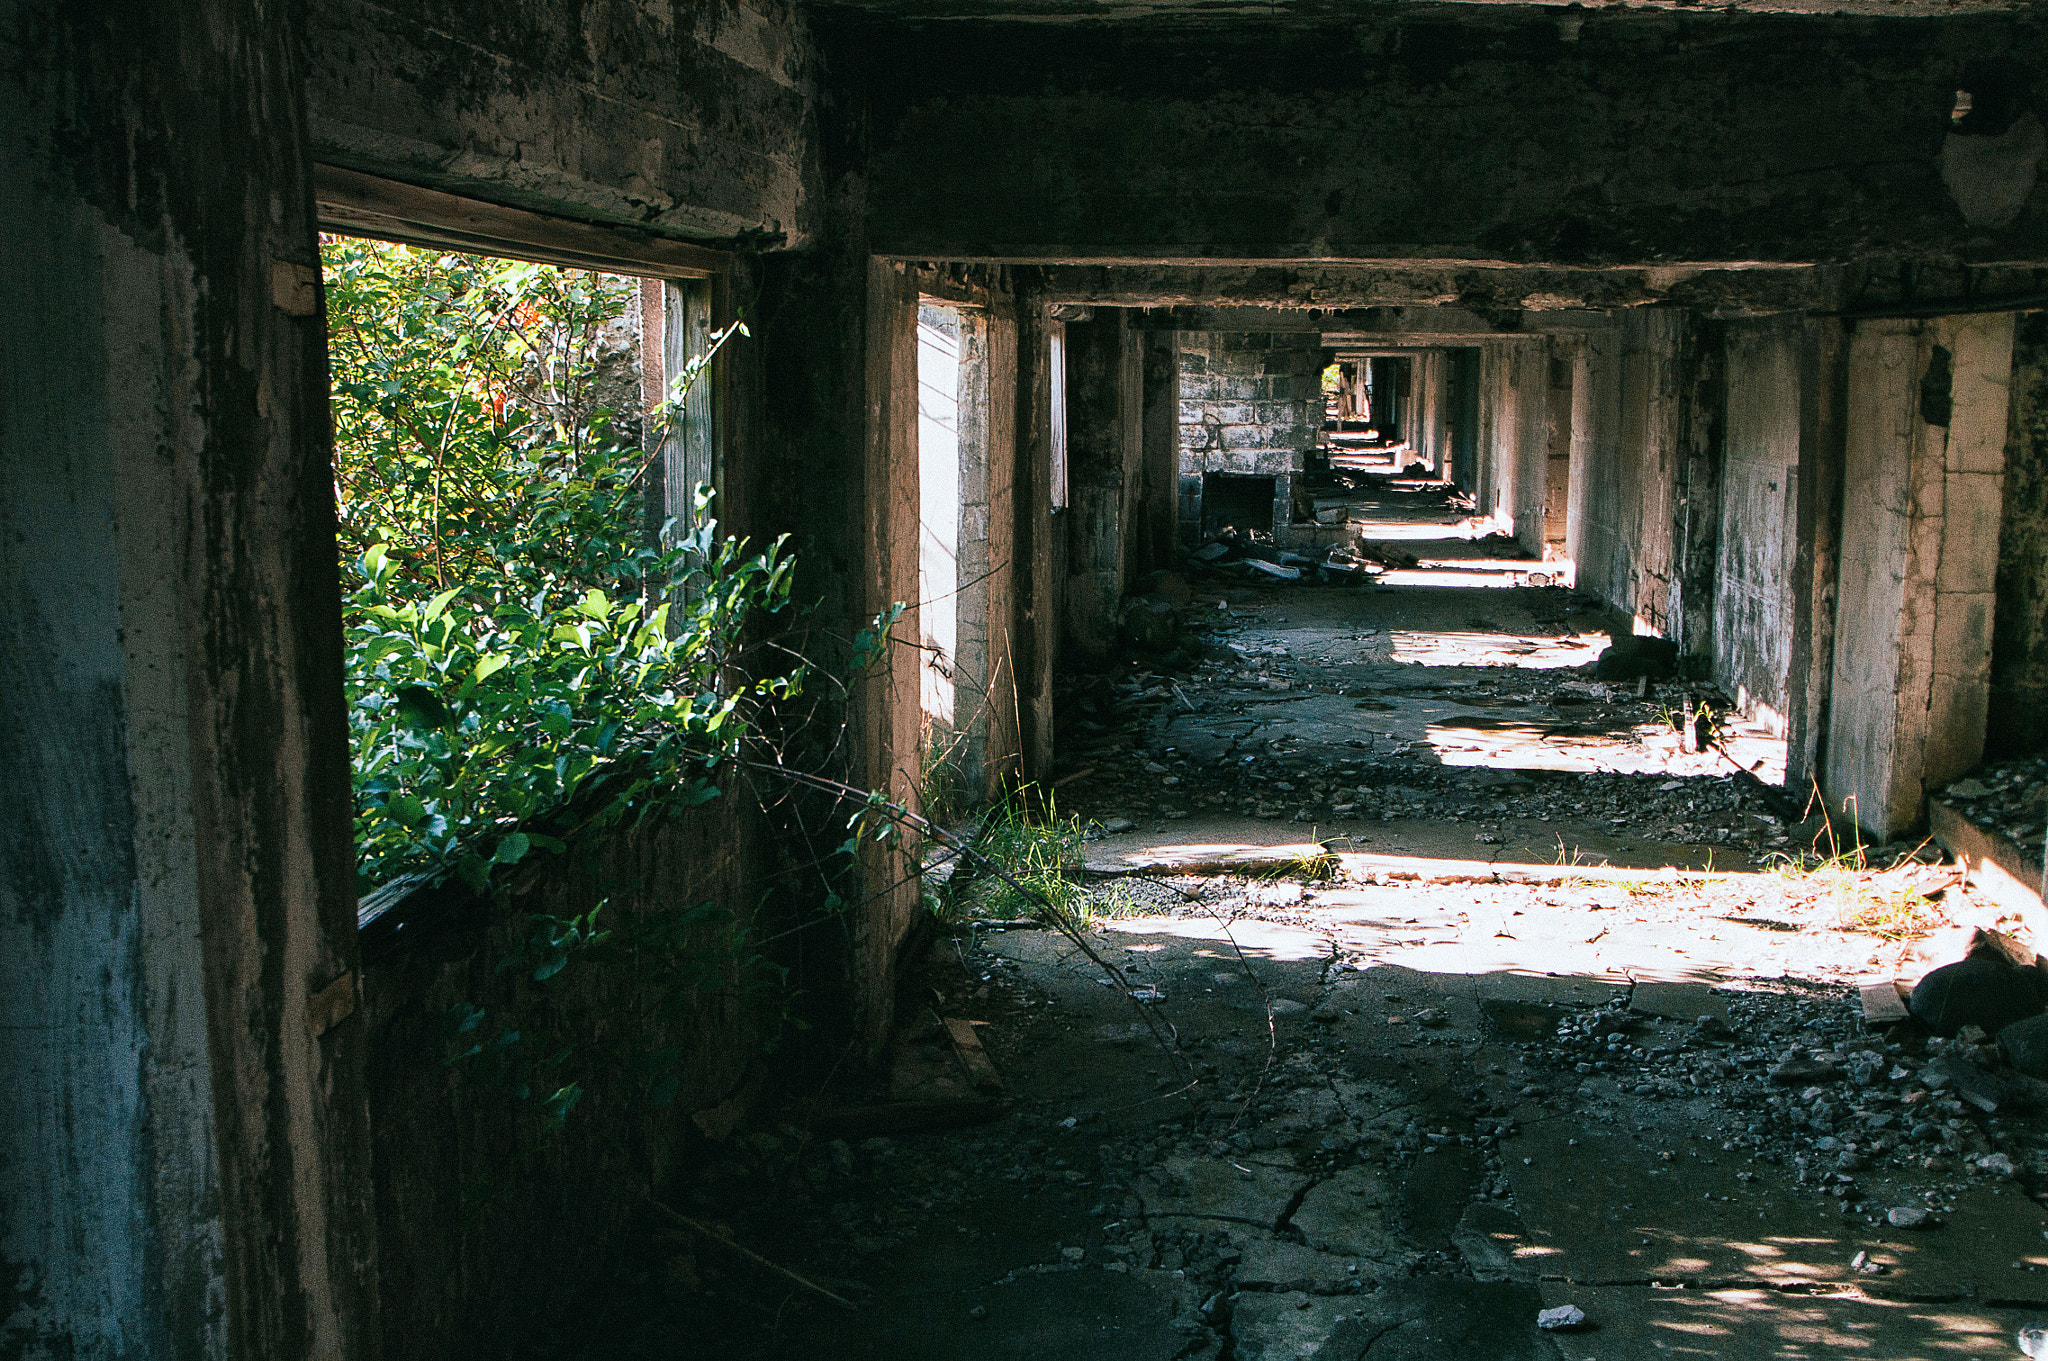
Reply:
x=981 y=1070
x=1883 y=1003
x=365 y=205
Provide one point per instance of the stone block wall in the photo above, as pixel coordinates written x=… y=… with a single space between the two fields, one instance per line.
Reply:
x=1250 y=404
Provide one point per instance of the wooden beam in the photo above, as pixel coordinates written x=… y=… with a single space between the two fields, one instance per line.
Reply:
x=356 y=204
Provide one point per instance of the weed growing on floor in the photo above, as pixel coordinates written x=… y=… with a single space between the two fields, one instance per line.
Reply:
x=1042 y=853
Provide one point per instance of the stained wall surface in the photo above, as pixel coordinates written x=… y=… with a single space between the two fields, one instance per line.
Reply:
x=1755 y=548
x=2018 y=715
x=1504 y=135
x=694 y=119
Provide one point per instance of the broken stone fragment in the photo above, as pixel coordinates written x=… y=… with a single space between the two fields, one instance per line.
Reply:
x=1563 y=1319
x=2025 y=1045
x=1797 y=1072
x=1908 y=1217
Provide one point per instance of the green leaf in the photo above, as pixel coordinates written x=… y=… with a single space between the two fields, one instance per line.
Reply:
x=512 y=849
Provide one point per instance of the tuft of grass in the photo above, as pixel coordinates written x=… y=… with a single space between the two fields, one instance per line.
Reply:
x=1041 y=852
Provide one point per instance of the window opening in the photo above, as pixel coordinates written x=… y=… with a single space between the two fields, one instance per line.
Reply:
x=953 y=561
x=1056 y=384
x=508 y=441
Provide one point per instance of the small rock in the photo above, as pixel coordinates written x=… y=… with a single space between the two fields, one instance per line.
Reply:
x=1563 y=1319
x=1863 y=1265
x=1073 y=1254
x=1998 y=1164
x=1433 y=1017
x=2025 y=1044
x=1802 y=1072
x=2034 y=1340
x=1908 y=1217
x=1287 y=1006
x=978 y=1311
x=1115 y=825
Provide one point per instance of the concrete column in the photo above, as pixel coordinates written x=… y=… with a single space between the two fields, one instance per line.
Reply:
x=1104 y=451
x=1040 y=551
x=1159 y=515
x=183 y=1144
x=1923 y=471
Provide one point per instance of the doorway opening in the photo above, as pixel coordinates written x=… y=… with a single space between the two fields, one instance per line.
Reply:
x=953 y=549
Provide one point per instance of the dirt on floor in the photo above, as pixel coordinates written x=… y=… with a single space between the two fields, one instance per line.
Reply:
x=1315 y=1117
x=1425 y=987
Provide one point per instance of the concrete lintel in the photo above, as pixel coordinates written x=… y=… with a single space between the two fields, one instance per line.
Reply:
x=1743 y=289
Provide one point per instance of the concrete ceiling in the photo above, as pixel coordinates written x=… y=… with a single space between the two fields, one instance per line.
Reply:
x=1351 y=11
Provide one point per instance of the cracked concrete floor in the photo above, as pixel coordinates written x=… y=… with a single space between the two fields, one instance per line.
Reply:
x=1364 y=1147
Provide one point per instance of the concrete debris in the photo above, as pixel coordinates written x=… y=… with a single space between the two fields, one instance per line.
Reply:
x=2010 y=799
x=1986 y=990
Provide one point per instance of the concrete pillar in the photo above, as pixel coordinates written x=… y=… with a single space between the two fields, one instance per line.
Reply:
x=1923 y=472
x=183 y=1145
x=1159 y=514
x=1105 y=371
x=1040 y=551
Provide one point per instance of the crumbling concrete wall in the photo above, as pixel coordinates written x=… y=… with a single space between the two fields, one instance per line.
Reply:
x=1625 y=465
x=1924 y=458
x=488 y=1217
x=2018 y=714
x=184 y=1146
x=1251 y=403
x=1105 y=475
x=1514 y=475
x=695 y=119
x=1496 y=132
x=1756 y=544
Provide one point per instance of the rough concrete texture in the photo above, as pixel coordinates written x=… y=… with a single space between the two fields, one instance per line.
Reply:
x=481 y=1226
x=691 y=120
x=1518 y=138
x=1624 y=488
x=1925 y=454
x=1426 y=1153
x=2017 y=718
x=1105 y=471
x=1755 y=547
x=183 y=1150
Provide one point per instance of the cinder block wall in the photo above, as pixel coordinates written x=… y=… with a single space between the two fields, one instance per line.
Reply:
x=1250 y=402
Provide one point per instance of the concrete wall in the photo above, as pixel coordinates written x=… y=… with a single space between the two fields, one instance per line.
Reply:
x=1625 y=462
x=694 y=119
x=1925 y=450
x=2018 y=715
x=488 y=1219
x=184 y=1152
x=1514 y=473
x=1105 y=472
x=1753 y=594
x=1496 y=133
x=1250 y=403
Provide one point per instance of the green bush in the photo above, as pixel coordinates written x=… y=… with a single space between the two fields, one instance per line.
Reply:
x=526 y=662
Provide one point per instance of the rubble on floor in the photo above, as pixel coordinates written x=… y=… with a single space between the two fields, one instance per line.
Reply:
x=1340 y=1145
x=1232 y=706
x=2009 y=798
